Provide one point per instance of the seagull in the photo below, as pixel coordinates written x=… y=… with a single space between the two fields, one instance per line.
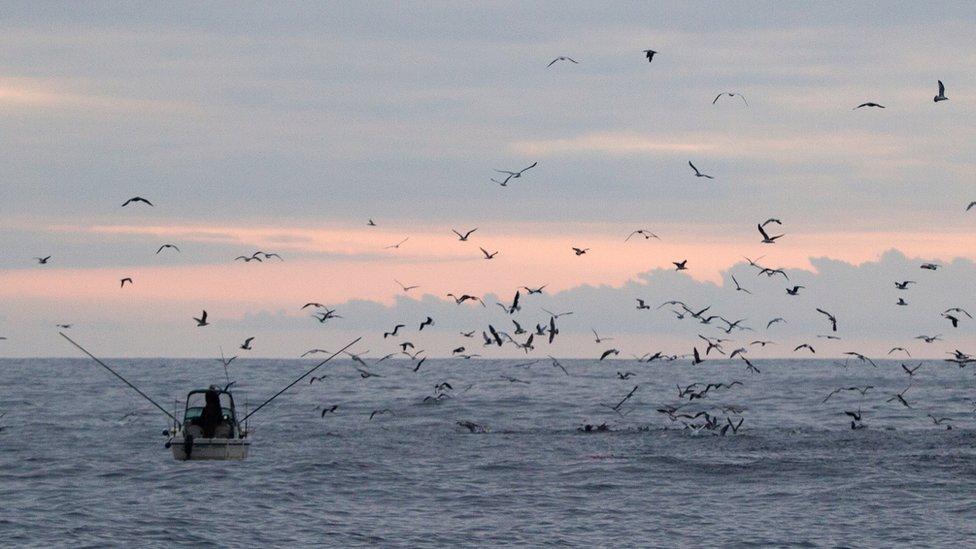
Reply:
x=904 y=285
x=957 y=310
x=625 y=375
x=901 y=301
x=832 y=318
x=64 y=326
x=640 y=305
x=862 y=390
x=868 y=104
x=731 y=94
x=580 y=251
x=609 y=352
x=900 y=397
x=902 y=349
x=405 y=288
x=124 y=280
x=680 y=265
x=737 y=287
x=930 y=339
x=247 y=344
x=929 y=266
x=766 y=238
x=911 y=371
x=941 y=96
x=598 y=338
x=971 y=205
x=42 y=260
x=516 y=175
x=643 y=232
x=370 y=223
x=805 y=346
x=136 y=199
x=380 y=412
x=650 y=55
x=428 y=322
x=464 y=237
x=862 y=358
x=698 y=173
x=164 y=246
x=248 y=259
x=795 y=290
x=202 y=321
x=330 y=409
x=487 y=255
x=466 y=297
x=774 y=321
x=534 y=291
x=561 y=58
x=394 y=332
x=397 y=245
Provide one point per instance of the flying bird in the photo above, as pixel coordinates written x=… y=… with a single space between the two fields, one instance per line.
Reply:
x=397 y=245
x=247 y=344
x=202 y=321
x=766 y=238
x=731 y=94
x=941 y=96
x=405 y=288
x=830 y=317
x=561 y=58
x=124 y=280
x=464 y=237
x=643 y=232
x=487 y=254
x=680 y=265
x=42 y=260
x=868 y=104
x=164 y=246
x=136 y=199
x=580 y=251
x=650 y=55
x=698 y=173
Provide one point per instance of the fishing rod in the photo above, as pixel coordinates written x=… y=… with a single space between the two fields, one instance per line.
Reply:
x=116 y=374
x=320 y=364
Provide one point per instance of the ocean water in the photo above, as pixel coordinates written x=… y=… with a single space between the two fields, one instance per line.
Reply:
x=82 y=461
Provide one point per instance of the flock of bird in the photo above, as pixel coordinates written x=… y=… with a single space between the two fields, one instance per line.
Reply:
x=526 y=335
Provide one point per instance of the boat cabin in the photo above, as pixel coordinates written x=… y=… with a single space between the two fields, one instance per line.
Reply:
x=200 y=421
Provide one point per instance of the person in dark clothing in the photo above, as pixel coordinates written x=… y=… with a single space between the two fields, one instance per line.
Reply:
x=212 y=415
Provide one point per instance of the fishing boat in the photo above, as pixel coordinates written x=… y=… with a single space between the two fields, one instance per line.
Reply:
x=210 y=429
x=192 y=438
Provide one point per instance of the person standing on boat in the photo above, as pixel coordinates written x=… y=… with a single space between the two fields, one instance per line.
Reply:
x=212 y=415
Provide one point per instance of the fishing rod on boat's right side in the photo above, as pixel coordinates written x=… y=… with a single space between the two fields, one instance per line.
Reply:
x=290 y=385
x=116 y=374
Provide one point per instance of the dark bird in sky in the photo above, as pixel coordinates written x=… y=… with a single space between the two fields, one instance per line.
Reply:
x=766 y=238
x=561 y=58
x=248 y=259
x=247 y=344
x=643 y=232
x=902 y=349
x=534 y=291
x=696 y=358
x=136 y=199
x=164 y=246
x=380 y=412
x=901 y=301
x=971 y=205
x=930 y=339
x=487 y=254
x=868 y=104
x=738 y=288
x=929 y=266
x=900 y=397
x=698 y=173
x=552 y=329
x=599 y=339
x=370 y=223
x=941 y=96
x=330 y=409
x=464 y=237
x=124 y=280
x=640 y=305
x=911 y=371
x=466 y=297
x=393 y=332
x=805 y=346
x=650 y=55
x=795 y=290
x=831 y=318
x=405 y=288
x=731 y=94
x=313 y=304
x=397 y=245
x=774 y=321
x=428 y=322
x=904 y=285
x=680 y=265
x=609 y=352
x=580 y=251
x=513 y=175
x=42 y=260
x=202 y=321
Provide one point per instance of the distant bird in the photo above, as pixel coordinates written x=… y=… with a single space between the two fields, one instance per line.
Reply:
x=313 y=304
x=561 y=58
x=65 y=326
x=513 y=175
x=42 y=260
x=164 y=246
x=831 y=318
x=861 y=357
x=900 y=397
x=370 y=223
x=466 y=297
x=405 y=288
x=902 y=349
x=698 y=173
x=901 y=301
x=580 y=251
x=640 y=305
x=941 y=96
x=731 y=94
x=598 y=338
x=904 y=285
x=534 y=291
x=202 y=321
x=393 y=332
x=609 y=352
x=774 y=321
x=247 y=344
x=680 y=265
x=487 y=254
x=124 y=280
x=805 y=346
x=738 y=288
x=940 y=421
x=795 y=290
x=380 y=412
x=958 y=310
x=248 y=259
x=911 y=371
x=929 y=266
x=428 y=322
x=650 y=55
x=397 y=245
x=868 y=104
x=643 y=232
x=330 y=409
x=766 y=238
x=971 y=205
x=930 y=339
x=696 y=358
x=625 y=375
x=862 y=390
x=136 y=199
x=464 y=237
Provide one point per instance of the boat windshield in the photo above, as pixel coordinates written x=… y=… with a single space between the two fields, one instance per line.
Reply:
x=194 y=412
x=196 y=401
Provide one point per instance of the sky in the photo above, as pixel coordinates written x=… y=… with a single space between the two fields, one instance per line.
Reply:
x=285 y=128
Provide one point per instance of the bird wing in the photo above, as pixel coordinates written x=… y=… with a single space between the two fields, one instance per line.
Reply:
x=941 y=88
x=762 y=232
x=716 y=98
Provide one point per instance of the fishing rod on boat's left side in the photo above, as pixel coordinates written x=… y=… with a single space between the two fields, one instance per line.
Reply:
x=116 y=374
x=290 y=385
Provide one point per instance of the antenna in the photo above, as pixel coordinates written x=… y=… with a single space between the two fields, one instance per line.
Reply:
x=116 y=374
x=319 y=365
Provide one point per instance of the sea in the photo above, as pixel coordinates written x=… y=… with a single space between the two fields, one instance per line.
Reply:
x=83 y=463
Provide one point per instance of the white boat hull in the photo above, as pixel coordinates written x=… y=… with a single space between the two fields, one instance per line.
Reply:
x=210 y=448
